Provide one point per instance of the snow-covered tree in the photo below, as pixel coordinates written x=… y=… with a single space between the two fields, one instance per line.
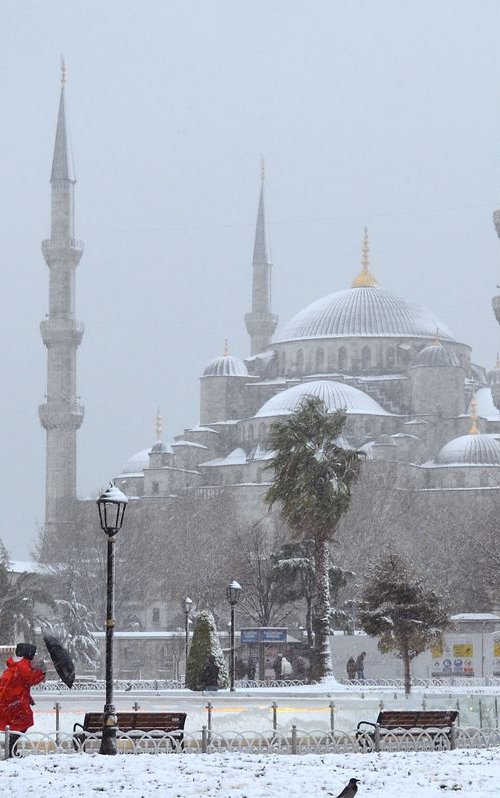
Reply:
x=204 y=643
x=407 y=615
x=313 y=473
x=22 y=597
x=74 y=627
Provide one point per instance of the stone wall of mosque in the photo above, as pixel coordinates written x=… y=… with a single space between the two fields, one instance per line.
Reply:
x=439 y=390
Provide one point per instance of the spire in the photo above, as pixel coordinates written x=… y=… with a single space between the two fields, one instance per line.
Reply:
x=62 y=163
x=364 y=279
x=226 y=349
x=260 y=245
x=474 y=430
x=158 y=425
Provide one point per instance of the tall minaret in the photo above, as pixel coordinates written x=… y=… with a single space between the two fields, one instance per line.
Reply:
x=261 y=323
x=61 y=416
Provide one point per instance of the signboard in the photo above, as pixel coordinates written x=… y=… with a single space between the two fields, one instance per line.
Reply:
x=264 y=634
x=463 y=650
x=454 y=660
x=496 y=657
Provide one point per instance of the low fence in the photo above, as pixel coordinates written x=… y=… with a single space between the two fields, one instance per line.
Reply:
x=127 y=685
x=299 y=741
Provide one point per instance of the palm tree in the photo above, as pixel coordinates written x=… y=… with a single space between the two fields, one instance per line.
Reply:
x=313 y=473
x=19 y=601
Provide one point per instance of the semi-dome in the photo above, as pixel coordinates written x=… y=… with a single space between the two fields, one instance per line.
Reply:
x=365 y=311
x=137 y=463
x=436 y=355
x=472 y=449
x=335 y=395
x=226 y=366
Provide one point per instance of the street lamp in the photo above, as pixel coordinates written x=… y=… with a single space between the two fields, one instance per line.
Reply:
x=111 y=506
x=188 y=603
x=233 y=591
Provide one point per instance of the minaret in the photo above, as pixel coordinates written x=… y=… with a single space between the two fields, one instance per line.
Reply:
x=61 y=416
x=261 y=322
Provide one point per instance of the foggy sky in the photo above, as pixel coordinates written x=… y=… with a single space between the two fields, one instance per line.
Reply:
x=385 y=114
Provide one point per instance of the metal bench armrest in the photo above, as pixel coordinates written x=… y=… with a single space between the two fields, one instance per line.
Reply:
x=365 y=723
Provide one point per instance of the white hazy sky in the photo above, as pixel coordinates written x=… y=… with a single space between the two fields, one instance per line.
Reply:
x=380 y=113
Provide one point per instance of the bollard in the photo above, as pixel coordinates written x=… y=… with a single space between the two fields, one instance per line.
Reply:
x=332 y=717
x=377 y=737
x=294 y=739
x=6 y=742
x=204 y=742
x=57 y=708
x=458 y=710
x=496 y=712
x=453 y=737
x=209 y=720
x=381 y=706
x=424 y=703
x=136 y=707
x=480 y=702
x=275 y=716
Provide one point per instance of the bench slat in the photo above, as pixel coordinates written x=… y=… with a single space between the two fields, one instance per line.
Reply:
x=143 y=721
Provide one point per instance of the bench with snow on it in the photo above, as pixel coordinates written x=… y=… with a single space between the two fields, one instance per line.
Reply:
x=134 y=726
x=437 y=726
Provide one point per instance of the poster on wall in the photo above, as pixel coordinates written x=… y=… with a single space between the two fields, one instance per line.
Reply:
x=453 y=660
x=496 y=658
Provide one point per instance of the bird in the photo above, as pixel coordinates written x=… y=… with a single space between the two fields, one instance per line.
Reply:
x=350 y=789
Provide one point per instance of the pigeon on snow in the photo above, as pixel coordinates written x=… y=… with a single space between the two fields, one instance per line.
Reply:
x=350 y=789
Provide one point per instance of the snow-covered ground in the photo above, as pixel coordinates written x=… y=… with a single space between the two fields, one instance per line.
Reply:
x=474 y=773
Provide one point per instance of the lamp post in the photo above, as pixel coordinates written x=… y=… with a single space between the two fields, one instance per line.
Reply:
x=187 y=609
x=111 y=507
x=233 y=591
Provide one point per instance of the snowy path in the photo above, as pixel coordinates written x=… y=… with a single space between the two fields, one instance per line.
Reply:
x=475 y=774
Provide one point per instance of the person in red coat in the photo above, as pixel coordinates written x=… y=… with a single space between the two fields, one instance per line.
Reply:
x=15 y=695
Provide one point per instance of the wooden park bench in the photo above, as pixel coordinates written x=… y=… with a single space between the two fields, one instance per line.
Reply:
x=133 y=725
x=398 y=723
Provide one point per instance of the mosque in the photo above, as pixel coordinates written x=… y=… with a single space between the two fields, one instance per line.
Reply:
x=412 y=396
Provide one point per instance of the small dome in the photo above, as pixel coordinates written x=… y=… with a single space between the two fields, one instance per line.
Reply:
x=367 y=311
x=226 y=366
x=335 y=395
x=137 y=463
x=479 y=449
x=436 y=355
x=162 y=447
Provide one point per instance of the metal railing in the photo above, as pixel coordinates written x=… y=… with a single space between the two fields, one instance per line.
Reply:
x=297 y=741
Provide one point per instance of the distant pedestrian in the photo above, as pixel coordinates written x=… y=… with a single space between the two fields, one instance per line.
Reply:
x=277 y=667
x=351 y=669
x=360 y=666
x=286 y=668
x=300 y=667
x=251 y=670
x=15 y=696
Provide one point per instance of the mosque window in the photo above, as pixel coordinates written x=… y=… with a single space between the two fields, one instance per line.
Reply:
x=155 y=487
x=368 y=427
x=262 y=431
x=366 y=357
x=320 y=360
x=300 y=361
x=390 y=357
x=282 y=362
x=484 y=479
x=342 y=358
x=156 y=615
x=460 y=480
x=250 y=432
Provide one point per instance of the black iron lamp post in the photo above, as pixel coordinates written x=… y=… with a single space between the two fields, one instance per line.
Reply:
x=111 y=507
x=233 y=591
x=187 y=609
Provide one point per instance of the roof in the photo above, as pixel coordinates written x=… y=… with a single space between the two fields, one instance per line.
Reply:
x=226 y=366
x=473 y=449
x=436 y=355
x=335 y=395
x=363 y=312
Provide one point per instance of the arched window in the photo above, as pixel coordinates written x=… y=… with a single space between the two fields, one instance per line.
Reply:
x=300 y=362
x=368 y=427
x=390 y=357
x=262 y=432
x=282 y=363
x=342 y=358
x=366 y=357
x=320 y=360
x=250 y=433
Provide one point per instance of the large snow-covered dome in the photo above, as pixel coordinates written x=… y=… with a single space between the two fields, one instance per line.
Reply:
x=137 y=463
x=367 y=311
x=335 y=395
x=473 y=449
x=226 y=366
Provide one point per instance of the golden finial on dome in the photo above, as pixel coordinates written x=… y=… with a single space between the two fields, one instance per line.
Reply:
x=474 y=430
x=365 y=278
x=158 y=425
x=437 y=339
x=63 y=71
x=226 y=349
